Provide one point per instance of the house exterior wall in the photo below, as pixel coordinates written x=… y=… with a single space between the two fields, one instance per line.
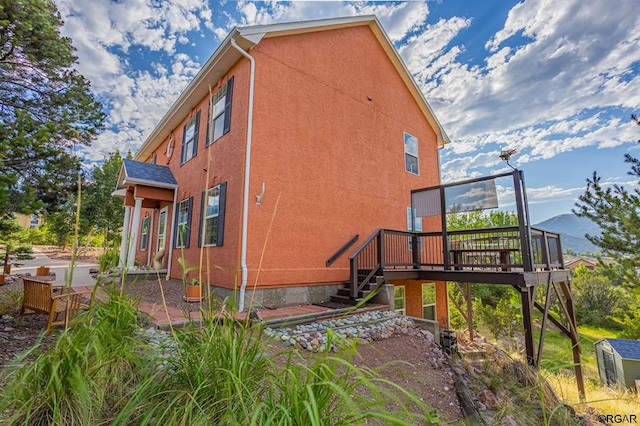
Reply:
x=413 y=300
x=330 y=114
x=221 y=161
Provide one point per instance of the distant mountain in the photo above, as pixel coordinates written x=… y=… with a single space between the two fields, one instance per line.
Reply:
x=572 y=230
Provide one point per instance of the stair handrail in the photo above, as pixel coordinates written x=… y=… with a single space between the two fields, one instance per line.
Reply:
x=355 y=284
x=346 y=246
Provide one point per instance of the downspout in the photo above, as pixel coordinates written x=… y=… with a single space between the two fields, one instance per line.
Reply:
x=173 y=224
x=247 y=169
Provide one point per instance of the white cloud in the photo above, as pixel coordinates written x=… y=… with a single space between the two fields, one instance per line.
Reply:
x=543 y=95
x=546 y=94
x=107 y=36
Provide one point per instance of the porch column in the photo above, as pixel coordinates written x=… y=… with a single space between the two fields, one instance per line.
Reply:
x=125 y=236
x=135 y=226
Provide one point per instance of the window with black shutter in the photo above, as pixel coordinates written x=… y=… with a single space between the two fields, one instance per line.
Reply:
x=190 y=139
x=212 y=216
x=219 y=122
x=183 y=223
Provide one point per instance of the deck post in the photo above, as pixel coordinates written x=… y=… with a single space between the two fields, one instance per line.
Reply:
x=523 y=220
x=353 y=288
x=467 y=295
x=446 y=255
x=566 y=290
x=415 y=250
x=527 y=320
x=381 y=250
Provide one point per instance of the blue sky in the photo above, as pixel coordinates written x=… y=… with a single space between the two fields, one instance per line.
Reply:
x=555 y=80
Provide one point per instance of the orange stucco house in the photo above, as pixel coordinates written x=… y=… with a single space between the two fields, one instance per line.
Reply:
x=291 y=140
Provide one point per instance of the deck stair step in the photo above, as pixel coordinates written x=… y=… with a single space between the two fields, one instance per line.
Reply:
x=312 y=336
x=344 y=294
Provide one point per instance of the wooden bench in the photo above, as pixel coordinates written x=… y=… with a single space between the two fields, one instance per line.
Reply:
x=39 y=298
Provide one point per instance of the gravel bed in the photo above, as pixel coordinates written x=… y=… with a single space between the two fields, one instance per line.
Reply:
x=370 y=326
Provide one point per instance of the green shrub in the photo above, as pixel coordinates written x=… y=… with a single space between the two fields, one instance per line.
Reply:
x=109 y=260
x=10 y=302
x=90 y=372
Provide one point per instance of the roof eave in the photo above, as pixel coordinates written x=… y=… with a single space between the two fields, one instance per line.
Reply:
x=224 y=57
x=133 y=181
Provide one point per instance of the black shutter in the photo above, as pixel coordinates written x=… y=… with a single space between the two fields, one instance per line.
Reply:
x=227 y=107
x=187 y=229
x=176 y=231
x=207 y=139
x=195 y=134
x=184 y=145
x=202 y=204
x=223 y=198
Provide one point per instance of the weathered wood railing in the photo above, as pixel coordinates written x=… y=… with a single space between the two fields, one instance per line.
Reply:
x=499 y=249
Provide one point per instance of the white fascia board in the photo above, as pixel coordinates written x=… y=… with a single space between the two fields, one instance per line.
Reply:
x=121 y=193
x=212 y=71
x=129 y=181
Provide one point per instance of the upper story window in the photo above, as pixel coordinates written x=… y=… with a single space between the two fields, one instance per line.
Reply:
x=411 y=154
x=220 y=112
x=190 y=139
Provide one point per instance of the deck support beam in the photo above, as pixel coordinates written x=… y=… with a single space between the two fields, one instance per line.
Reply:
x=527 y=294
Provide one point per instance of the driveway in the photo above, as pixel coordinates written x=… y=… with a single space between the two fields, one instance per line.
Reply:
x=81 y=276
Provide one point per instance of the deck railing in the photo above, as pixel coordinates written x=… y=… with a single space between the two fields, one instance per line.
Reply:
x=498 y=249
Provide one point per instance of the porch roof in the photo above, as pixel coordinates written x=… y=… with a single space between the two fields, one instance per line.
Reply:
x=139 y=173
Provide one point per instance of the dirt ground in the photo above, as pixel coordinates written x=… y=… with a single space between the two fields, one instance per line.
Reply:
x=84 y=253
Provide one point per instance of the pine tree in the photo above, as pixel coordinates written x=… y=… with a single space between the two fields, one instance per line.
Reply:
x=617 y=211
x=46 y=108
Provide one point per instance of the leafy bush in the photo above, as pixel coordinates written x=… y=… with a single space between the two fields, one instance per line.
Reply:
x=503 y=320
x=596 y=298
x=631 y=327
x=10 y=302
x=109 y=260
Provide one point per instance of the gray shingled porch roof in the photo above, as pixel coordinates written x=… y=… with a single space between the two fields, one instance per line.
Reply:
x=138 y=173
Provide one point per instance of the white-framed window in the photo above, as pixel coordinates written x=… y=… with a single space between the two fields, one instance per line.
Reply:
x=411 y=154
x=399 y=301
x=212 y=217
x=190 y=138
x=183 y=223
x=162 y=229
x=144 y=235
x=429 y=301
x=220 y=112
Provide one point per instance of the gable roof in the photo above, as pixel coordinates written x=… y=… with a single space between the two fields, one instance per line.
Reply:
x=225 y=56
x=582 y=260
x=139 y=173
x=626 y=348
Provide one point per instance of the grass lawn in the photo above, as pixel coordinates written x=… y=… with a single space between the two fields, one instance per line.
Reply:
x=557 y=367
